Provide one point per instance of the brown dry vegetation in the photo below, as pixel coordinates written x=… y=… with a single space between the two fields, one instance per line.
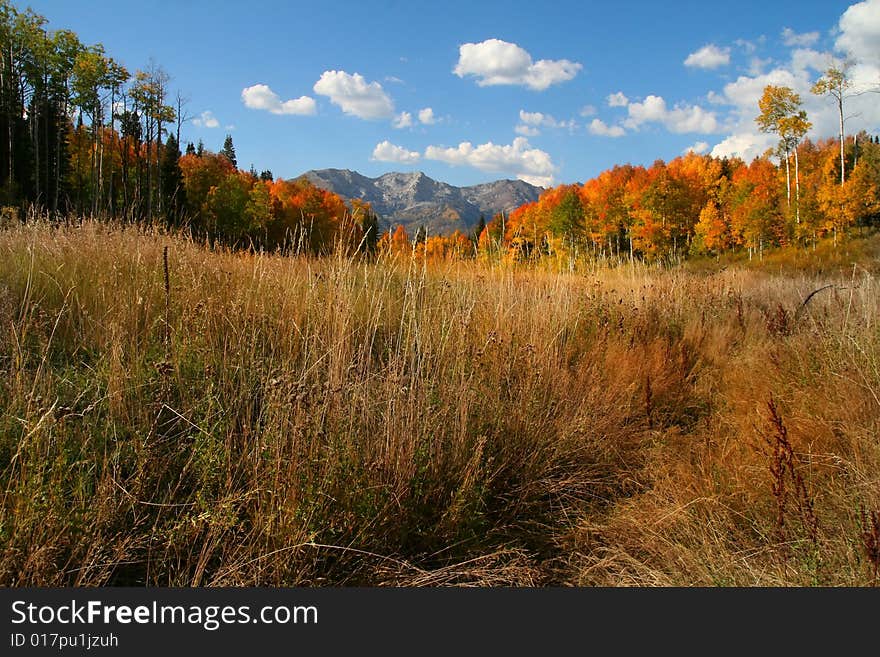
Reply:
x=295 y=421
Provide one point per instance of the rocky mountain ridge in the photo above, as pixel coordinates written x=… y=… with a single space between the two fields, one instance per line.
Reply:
x=415 y=200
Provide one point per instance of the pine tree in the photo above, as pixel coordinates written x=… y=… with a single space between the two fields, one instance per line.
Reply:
x=173 y=200
x=478 y=229
x=370 y=228
x=190 y=148
x=228 y=151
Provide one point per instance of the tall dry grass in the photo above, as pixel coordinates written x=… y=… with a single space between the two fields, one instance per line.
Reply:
x=265 y=420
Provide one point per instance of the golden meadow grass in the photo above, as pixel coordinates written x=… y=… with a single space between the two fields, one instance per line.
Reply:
x=274 y=420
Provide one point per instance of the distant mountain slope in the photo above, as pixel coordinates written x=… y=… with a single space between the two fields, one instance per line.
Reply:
x=414 y=199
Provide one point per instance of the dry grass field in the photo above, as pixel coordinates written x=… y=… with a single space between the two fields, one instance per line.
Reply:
x=245 y=419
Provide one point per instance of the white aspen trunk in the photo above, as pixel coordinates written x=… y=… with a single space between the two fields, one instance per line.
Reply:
x=101 y=161
x=842 y=160
x=787 y=181
x=93 y=164
x=797 y=189
x=158 y=166
x=150 y=169
x=111 y=202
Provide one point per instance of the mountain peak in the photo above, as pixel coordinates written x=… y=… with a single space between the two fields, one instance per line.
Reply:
x=414 y=199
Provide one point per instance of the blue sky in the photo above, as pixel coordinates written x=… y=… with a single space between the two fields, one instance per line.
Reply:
x=475 y=91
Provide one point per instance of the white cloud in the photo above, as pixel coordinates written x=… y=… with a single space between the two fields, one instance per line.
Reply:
x=406 y=119
x=858 y=39
x=617 y=100
x=747 y=145
x=519 y=158
x=387 y=152
x=744 y=139
x=206 y=120
x=860 y=30
x=745 y=91
x=758 y=65
x=748 y=46
x=539 y=119
x=354 y=95
x=527 y=130
x=531 y=118
x=792 y=38
x=653 y=108
x=496 y=62
x=598 y=127
x=587 y=110
x=742 y=96
x=699 y=148
x=394 y=79
x=708 y=57
x=799 y=73
x=806 y=58
x=682 y=118
x=531 y=121
x=402 y=120
x=261 y=97
x=691 y=118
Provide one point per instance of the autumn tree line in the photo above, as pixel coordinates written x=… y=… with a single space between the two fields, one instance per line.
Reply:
x=797 y=192
x=80 y=134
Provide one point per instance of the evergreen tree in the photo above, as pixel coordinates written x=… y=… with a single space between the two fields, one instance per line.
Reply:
x=228 y=151
x=130 y=125
x=370 y=227
x=200 y=149
x=478 y=229
x=266 y=176
x=190 y=148
x=173 y=200
x=36 y=100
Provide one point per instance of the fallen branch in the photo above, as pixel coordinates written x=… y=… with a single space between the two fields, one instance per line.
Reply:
x=810 y=297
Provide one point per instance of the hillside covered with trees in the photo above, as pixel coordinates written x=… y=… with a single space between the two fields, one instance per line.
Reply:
x=700 y=204
x=82 y=135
